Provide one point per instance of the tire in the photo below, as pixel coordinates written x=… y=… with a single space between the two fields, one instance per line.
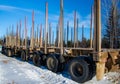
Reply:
x=92 y=67
x=79 y=70
x=3 y=50
x=5 y=53
x=91 y=72
x=9 y=53
x=61 y=67
x=52 y=63
x=43 y=58
x=36 y=60
x=23 y=55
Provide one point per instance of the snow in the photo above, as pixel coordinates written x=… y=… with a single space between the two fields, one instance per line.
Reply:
x=15 y=71
x=0 y=48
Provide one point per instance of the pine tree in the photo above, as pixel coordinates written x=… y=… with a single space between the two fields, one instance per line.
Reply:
x=112 y=33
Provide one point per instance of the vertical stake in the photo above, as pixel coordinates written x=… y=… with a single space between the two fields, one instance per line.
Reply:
x=46 y=27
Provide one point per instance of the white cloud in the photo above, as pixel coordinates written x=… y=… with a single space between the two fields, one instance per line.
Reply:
x=82 y=20
x=53 y=18
x=13 y=8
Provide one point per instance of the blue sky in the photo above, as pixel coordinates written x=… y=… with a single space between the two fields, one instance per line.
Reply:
x=12 y=11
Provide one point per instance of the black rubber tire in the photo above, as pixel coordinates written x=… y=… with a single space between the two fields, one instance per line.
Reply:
x=3 y=50
x=36 y=60
x=9 y=53
x=52 y=63
x=91 y=72
x=61 y=67
x=43 y=61
x=43 y=58
x=92 y=67
x=77 y=65
x=23 y=55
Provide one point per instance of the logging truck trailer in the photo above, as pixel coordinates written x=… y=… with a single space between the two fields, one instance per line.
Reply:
x=84 y=63
x=82 y=66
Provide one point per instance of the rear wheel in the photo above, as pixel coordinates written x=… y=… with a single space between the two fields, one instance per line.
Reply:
x=36 y=59
x=79 y=70
x=3 y=50
x=9 y=53
x=92 y=67
x=23 y=55
x=52 y=63
x=61 y=67
x=43 y=58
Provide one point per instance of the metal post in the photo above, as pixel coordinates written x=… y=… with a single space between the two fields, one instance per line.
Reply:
x=43 y=37
x=100 y=60
x=12 y=38
x=40 y=39
x=53 y=38
x=91 y=27
x=25 y=32
x=77 y=30
x=71 y=37
x=19 y=35
x=59 y=37
x=64 y=41
x=67 y=31
x=50 y=34
x=46 y=27
x=32 y=37
x=61 y=27
x=82 y=33
x=74 y=29
x=37 y=36
x=23 y=38
x=97 y=24
x=7 y=38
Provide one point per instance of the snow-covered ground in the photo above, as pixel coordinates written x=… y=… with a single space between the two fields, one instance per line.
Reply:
x=15 y=71
x=0 y=48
